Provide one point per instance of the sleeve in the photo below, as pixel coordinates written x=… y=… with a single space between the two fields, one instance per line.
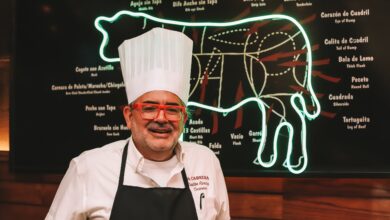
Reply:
x=70 y=200
x=224 y=211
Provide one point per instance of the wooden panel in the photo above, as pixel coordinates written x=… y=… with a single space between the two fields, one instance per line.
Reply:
x=7 y=175
x=18 y=211
x=325 y=208
x=253 y=184
x=32 y=189
x=28 y=196
x=352 y=187
x=335 y=198
x=256 y=206
x=27 y=193
x=20 y=193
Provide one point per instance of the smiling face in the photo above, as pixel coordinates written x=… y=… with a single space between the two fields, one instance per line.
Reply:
x=156 y=138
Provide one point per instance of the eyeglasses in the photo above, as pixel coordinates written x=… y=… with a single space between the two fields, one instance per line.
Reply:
x=150 y=111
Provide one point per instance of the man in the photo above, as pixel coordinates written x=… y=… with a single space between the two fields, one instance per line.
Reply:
x=150 y=175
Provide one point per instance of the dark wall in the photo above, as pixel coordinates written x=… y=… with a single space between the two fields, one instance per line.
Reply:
x=5 y=30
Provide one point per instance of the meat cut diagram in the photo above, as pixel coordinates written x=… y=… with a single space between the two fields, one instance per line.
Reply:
x=251 y=75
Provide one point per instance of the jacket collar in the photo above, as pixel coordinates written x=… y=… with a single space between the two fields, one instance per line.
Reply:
x=136 y=160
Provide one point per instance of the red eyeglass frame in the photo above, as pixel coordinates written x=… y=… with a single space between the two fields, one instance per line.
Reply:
x=160 y=107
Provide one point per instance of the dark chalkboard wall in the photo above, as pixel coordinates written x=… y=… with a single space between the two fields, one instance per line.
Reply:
x=66 y=96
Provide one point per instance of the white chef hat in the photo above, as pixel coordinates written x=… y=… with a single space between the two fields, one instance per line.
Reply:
x=159 y=59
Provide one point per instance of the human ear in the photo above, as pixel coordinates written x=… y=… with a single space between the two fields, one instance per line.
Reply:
x=127 y=114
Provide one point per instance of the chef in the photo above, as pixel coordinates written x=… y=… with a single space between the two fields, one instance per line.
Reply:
x=150 y=175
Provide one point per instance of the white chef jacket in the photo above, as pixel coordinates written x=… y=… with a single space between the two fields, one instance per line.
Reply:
x=88 y=188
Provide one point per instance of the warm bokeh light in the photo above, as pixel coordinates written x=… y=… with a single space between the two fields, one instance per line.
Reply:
x=4 y=103
x=4 y=137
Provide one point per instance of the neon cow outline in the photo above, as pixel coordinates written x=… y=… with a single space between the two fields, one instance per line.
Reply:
x=297 y=97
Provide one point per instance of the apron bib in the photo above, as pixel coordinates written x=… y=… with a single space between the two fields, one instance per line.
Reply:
x=165 y=203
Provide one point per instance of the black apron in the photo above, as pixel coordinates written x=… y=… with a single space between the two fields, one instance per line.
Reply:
x=165 y=203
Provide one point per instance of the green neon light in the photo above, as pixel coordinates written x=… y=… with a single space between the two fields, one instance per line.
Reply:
x=295 y=98
x=273 y=157
x=235 y=107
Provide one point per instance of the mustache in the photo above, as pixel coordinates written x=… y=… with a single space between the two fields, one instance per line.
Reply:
x=159 y=126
